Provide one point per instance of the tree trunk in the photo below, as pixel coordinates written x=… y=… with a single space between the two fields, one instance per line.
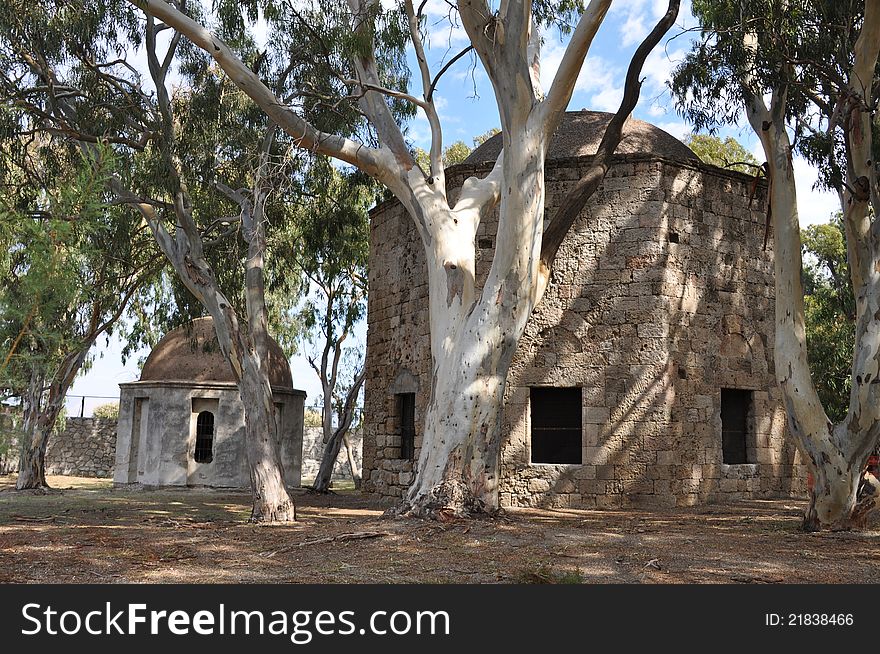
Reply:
x=356 y=476
x=334 y=439
x=843 y=493
x=473 y=344
x=328 y=461
x=32 y=464
x=271 y=500
x=40 y=419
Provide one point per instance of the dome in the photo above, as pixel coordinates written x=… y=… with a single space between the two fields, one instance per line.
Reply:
x=192 y=353
x=580 y=132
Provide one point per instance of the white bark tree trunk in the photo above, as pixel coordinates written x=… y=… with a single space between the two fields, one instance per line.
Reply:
x=473 y=339
x=843 y=493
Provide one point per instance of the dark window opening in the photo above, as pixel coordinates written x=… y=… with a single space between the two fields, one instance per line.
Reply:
x=204 y=437
x=556 y=425
x=673 y=237
x=406 y=421
x=736 y=411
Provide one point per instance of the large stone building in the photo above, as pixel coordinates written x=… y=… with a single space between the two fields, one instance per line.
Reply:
x=182 y=424
x=645 y=376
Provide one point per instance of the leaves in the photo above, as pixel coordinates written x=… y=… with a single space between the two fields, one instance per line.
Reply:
x=829 y=310
x=728 y=153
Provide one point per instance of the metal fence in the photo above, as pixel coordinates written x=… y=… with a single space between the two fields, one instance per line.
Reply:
x=83 y=406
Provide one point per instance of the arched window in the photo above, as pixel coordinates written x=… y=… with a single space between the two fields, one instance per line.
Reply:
x=204 y=437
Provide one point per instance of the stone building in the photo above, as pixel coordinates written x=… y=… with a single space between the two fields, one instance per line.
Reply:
x=645 y=376
x=182 y=424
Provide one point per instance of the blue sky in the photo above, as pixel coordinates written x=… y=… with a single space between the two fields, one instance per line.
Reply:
x=467 y=108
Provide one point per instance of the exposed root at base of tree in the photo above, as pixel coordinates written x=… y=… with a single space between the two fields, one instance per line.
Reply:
x=867 y=500
x=37 y=490
x=281 y=515
x=448 y=501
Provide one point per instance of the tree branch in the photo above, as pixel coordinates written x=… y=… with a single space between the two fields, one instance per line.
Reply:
x=576 y=199
x=563 y=83
x=367 y=159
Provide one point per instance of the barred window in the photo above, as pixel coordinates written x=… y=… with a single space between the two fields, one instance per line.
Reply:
x=406 y=420
x=736 y=409
x=204 y=437
x=557 y=429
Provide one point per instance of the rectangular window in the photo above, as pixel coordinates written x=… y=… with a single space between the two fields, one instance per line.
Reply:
x=204 y=452
x=406 y=421
x=736 y=415
x=557 y=431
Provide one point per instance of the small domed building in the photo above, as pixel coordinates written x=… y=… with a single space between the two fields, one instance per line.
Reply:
x=645 y=375
x=182 y=423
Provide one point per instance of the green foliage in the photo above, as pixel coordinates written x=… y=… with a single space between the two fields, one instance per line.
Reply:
x=829 y=314
x=803 y=48
x=60 y=284
x=312 y=418
x=728 y=153
x=108 y=410
x=455 y=153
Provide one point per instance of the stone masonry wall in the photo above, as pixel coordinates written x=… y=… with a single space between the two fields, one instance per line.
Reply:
x=661 y=295
x=313 y=451
x=85 y=448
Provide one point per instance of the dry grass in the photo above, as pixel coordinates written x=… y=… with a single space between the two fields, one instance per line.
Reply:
x=91 y=533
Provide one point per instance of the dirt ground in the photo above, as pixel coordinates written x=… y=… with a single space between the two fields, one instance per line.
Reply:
x=90 y=533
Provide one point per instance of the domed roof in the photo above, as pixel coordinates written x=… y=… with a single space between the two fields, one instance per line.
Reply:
x=580 y=132
x=192 y=353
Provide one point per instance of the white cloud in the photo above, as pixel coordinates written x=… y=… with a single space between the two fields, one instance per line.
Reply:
x=677 y=128
x=607 y=99
x=637 y=18
x=598 y=78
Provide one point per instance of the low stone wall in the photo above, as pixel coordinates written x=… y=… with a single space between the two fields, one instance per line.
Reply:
x=86 y=448
x=313 y=449
x=8 y=444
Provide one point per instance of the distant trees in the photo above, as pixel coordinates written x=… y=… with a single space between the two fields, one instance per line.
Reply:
x=728 y=153
x=329 y=237
x=829 y=314
x=71 y=265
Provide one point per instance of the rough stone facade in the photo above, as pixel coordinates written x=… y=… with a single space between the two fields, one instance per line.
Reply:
x=662 y=294
x=313 y=451
x=86 y=447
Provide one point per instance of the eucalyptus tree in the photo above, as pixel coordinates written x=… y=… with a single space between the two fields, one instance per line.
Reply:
x=808 y=70
x=473 y=334
x=70 y=68
x=74 y=262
